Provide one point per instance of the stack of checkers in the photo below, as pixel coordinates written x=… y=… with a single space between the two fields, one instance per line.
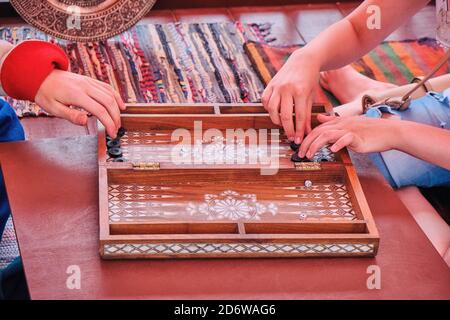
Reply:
x=114 y=146
x=324 y=154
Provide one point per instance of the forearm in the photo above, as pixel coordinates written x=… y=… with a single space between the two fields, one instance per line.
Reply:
x=350 y=38
x=327 y=48
x=5 y=47
x=428 y=143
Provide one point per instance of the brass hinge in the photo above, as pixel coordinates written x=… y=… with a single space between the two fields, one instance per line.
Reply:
x=308 y=166
x=146 y=166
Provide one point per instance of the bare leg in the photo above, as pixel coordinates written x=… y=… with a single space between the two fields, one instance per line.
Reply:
x=348 y=85
x=354 y=108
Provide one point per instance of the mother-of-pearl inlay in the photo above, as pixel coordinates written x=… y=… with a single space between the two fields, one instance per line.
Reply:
x=233 y=206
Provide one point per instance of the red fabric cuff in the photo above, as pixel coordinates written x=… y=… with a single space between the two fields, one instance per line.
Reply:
x=27 y=66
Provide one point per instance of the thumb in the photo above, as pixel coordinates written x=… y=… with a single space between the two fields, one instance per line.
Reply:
x=62 y=111
x=345 y=141
x=322 y=118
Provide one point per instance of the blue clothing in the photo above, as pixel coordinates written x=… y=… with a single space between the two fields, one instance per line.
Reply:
x=10 y=130
x=13 y=285
x=401 y=169
x=12 y=278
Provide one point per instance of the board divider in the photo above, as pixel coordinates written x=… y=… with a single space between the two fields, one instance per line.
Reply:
x=225 y=108
x=236 y=227
x=284 y=164
x=325 y=238
x=168 y=227
x=335 y=173
x=169 y=110
x=173 y=121
x=305 y=227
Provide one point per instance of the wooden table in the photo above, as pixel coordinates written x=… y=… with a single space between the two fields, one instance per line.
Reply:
x=53 y=192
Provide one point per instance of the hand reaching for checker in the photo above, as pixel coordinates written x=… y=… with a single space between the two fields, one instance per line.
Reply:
x=358 y=133
x=291 y=91
x=62 y=89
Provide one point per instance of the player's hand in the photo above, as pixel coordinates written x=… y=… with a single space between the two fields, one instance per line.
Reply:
x=291 y=90
x=62 y=89
x=358 y=133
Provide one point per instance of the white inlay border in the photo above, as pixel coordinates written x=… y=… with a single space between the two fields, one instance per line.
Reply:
x=137 y=249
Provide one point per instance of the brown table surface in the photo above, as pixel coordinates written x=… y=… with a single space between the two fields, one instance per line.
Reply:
x=53 y=191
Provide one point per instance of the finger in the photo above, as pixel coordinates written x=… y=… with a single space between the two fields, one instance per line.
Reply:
x=62 y=111
x=274 y=108
x=323 y=118
x=329 y=136
x=89 y=104
x=330 y=121
x=107 y=101
x=317 y=131
x=344 y=141
x=300 y=118
x=308 y=121
x=265 y=98
x=111 y=90
x=287 y=108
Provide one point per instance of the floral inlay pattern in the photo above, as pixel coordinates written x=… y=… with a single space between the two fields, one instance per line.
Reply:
x=232 y=205
x=321 y=201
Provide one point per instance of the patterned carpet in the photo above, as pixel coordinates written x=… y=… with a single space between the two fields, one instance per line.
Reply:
x=396 y=62
x=175 y=62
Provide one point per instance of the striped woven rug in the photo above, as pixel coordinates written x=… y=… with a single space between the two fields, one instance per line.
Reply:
x=210 y=62
x=396 y=62
x=159 y=63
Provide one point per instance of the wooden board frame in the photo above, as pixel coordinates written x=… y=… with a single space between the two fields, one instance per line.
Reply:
x=189 y=238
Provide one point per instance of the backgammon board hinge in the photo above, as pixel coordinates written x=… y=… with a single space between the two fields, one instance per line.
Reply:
x=307 y=166
x=146 y=166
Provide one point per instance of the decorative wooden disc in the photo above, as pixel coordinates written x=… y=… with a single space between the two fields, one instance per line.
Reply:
x=78 y=20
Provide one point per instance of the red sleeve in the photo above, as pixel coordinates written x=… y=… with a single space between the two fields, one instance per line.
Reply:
x=27 y=66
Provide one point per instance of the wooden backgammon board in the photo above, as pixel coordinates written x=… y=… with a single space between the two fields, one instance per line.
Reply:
x=183 y=182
